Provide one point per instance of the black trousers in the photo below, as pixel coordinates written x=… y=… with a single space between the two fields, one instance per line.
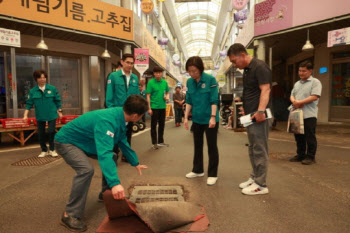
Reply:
x=158 y=117
x=116 y=151
x=51 y=131
x=211 y=135
x=307 y=143
x=178 y=115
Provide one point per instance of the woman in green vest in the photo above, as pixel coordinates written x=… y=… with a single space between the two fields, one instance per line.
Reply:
x=47 y=103
x=202 y=99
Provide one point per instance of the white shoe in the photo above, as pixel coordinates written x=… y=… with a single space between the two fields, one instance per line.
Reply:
x=211 y=180
x=255 y=189
x=246 y=184
x=42 y=154
x=194 y=175
x=53 y=153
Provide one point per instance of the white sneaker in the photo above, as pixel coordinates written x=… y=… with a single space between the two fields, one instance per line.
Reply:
x=249 y=182
x=194 y=175
x=42 y=154
x=53 y=153
x=255 y=189
x=211 y=180
x=162 y=144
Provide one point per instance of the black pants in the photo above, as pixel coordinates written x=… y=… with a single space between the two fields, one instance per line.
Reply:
x=51 y=131
x=211 y=135
x=307 y=143
x=115 y=156
x=158 y=116
x=178 y=115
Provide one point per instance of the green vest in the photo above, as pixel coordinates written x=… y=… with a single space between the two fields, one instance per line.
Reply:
x=117 y=90
x=97 y=132
x=46 y=103
x=201 y=96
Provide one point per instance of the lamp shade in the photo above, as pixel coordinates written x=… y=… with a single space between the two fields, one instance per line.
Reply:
x=42 y=45
x=105 y=54
x=308 y=46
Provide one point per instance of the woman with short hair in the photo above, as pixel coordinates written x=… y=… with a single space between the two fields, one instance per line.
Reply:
x=202 y=99
x=47 y=103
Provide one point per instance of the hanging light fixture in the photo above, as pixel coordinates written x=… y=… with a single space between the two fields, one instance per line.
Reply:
x=42 y=44
x=307 y=45
x=106 y=54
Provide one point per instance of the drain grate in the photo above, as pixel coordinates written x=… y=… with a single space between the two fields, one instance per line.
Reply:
x=36 y=161
x=282 y=156
x=143 y=194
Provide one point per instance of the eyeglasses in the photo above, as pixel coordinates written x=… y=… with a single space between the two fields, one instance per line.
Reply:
x=129 y=63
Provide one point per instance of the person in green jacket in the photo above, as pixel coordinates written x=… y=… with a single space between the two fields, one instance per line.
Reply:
x=120 y=85
x=47 y=104
x=202 y=99
x=96 y=133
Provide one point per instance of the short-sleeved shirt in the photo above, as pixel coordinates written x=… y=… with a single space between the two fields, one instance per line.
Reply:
x=201 y=96
x=157 y=89
x=257 y=73
x=180 y=97
x=305 y=89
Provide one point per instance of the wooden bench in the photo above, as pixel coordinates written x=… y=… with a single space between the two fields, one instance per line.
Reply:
x=21 y=139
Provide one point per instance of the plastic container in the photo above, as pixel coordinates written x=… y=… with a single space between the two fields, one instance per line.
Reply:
x=67 y=118
x=15 y=123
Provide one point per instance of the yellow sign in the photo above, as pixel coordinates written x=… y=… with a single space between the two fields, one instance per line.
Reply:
x=250 y=52
x=169 y=110
x=147 y=6
x=90 y=16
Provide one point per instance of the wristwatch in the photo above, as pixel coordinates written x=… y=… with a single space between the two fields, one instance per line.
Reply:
x=60 y=110
x=212 y=115
x=261 y=112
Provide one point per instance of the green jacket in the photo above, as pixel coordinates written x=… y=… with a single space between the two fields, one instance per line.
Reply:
x=117 y=91
x=46 y=103
x=201 y=96
x=157 y=89
x=97 y=132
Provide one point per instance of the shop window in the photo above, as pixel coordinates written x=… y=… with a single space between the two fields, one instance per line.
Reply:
x=25 y=66
x=64 y=75
x=341 y=84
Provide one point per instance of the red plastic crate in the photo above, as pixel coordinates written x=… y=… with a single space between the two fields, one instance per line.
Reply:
x=35 y=122
x=15 y=123
x=68 y=118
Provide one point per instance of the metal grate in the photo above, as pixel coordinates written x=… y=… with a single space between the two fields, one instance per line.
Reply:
x=36 y=161
x=282 y=156
x=143 y=194
x=147 y=199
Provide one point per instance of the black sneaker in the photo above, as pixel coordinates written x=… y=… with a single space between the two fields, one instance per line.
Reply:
x=73 y=224
x=100 y=197
x=308 y=161
x=297 y=158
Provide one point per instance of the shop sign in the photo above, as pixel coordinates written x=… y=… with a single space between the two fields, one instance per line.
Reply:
x=145 y=40
x=91 y=16
x=239 y=4
x=221 y=80
x=250 y=52
x=141 y=60
x=339 y=37
x=10 y=37
x=147 y=6
x=272 y=15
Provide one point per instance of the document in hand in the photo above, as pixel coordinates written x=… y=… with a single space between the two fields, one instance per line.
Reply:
x=246 y=119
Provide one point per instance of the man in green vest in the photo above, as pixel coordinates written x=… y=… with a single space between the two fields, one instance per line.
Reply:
x=120 y=85
x=96 y=133
x=157 y=95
